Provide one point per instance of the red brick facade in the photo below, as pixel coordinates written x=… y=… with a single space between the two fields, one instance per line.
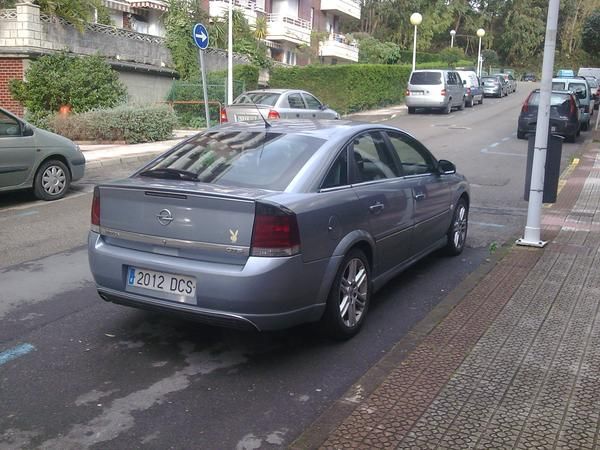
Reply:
x=10 y=68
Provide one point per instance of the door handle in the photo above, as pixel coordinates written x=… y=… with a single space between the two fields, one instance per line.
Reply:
x=419 y=196
x=376 y=208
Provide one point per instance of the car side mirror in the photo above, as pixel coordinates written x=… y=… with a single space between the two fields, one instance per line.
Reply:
x=27 y=129
x=446 y=167
x=323 y=107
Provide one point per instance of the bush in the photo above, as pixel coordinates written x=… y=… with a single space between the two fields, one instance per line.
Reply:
x=352 y=87
x=132 y=124
x=84 y=83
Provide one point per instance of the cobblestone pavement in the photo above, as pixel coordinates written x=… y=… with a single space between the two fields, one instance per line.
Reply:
x=516 y=364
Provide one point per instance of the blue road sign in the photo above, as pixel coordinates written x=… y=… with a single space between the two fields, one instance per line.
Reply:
x=200 y=35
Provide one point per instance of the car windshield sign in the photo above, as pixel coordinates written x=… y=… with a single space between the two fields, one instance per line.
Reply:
x=426 y=78
x=240 y=158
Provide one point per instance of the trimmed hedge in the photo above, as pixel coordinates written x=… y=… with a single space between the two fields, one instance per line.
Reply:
x=132 y=124
x=351 y=87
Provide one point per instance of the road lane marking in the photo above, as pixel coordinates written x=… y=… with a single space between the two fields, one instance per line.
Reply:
x=85 y=191
x=505 y=139
x=495 y=144
x=15 y=353
x=486 y=224
x=491 y=152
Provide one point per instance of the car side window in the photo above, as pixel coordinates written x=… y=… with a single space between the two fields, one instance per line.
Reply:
x=371 y=158
x=9 y=126
x=338 y=174
x=295 y=101
x=311 y=102
x=413 y=160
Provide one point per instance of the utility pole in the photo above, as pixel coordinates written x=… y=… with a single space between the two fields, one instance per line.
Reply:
x=532 y=236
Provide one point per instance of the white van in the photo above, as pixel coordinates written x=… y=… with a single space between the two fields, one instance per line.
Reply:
x=589 y=72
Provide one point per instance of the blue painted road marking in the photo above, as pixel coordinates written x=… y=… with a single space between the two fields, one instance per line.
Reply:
x=15 y=352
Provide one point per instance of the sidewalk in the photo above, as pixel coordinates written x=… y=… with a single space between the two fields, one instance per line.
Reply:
x=510 y=360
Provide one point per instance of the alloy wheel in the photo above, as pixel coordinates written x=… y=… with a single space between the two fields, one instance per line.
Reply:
x=353 y=291
x=459 y=228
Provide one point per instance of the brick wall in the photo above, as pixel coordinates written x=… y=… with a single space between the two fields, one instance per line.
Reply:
x=10 y=68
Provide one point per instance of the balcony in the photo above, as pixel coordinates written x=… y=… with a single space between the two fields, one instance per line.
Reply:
x=290 y=29
x=350 y=8
x=339 y=48
x=220 y=8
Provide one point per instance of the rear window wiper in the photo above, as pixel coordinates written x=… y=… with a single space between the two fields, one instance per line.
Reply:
x=172 y=174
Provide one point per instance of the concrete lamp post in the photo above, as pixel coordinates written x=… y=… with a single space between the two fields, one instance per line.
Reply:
x=480 y=33
x=416 y=20
x=452 y=34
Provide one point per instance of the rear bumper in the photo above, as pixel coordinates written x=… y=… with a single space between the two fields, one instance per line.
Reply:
x=493 y=91
x=420 y=101
x=559 y=127
x=264 y=293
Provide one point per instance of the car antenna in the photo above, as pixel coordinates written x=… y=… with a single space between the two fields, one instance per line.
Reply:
x=267 y=124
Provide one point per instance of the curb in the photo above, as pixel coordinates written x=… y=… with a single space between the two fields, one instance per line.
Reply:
x=323 y=426
x=121 y=160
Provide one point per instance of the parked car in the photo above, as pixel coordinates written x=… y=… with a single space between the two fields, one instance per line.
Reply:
x=276 y=104
x=589 y=72
x=263 y=228
x=34 y=158
x=564 y=115
x=529 y=77
x=582 y=91
x=473 y=88
x=565 y=73
x=494 y=86
x=434 y=89
x=594 y=85
x=510 y=81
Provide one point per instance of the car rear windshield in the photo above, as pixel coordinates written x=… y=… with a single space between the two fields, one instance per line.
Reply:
x=555 y=99
x=256 y=159
x=488 y=81
x=426 y=78
x=259 y=98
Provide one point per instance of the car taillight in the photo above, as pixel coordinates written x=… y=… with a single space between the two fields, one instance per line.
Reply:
x=525 y=107
x=443 y=92
x=273 y=114
x=407 y=93
x=275 y=232
x=223 y=115
x=468 y=91
x=96 y=211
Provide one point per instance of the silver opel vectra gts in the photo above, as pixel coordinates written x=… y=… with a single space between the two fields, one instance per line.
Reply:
x=264 y=226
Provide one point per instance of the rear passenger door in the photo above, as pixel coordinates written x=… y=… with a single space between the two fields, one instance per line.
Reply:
x=430 y=191
x=314 y=109
x=297 y=108
x=384 y=197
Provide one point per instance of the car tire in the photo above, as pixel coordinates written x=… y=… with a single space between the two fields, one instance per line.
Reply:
x=481 y=101
x=585 y=126
x=470 y=103
x=351 y=286
x=52 y=180
x=457 y=232
x=412 y=109
x=572 y=138
x=521 y=135
x=448 y=108
x=462 y=105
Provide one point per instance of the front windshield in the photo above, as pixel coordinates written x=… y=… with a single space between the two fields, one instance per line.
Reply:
x=256 y=159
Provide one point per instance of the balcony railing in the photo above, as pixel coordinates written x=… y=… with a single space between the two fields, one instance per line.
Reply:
x=349 y=8
x=339 y=47
x=219 y=8
x=285 y=28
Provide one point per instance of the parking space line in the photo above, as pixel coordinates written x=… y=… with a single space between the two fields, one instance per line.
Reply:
x=495 y=144
x=15 y=353
x=486 y=224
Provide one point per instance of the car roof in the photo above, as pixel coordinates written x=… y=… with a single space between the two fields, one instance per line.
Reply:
x=272 y=91
x=323 y=129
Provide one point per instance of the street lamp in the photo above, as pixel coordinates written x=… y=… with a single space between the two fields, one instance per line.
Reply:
x=480 y=33
x=452 y=34
x=416 y=20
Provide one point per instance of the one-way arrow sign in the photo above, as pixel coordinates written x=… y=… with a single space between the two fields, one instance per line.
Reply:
x=200 y=36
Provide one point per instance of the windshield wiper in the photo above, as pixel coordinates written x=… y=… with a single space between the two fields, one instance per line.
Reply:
x=172 y=174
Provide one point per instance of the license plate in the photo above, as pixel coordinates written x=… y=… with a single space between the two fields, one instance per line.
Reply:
x=553 y=129
x=245 y=118
x=179 y=285
x=416 y=92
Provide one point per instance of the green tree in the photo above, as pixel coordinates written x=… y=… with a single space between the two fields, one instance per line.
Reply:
x=590 y=34
x=490 y=59
x=451 y=55
x=373 y=51
x=84 y=83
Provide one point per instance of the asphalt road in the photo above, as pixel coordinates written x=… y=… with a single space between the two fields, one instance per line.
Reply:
x=76 y=372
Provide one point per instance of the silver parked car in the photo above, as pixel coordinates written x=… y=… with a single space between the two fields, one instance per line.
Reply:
x=35 y=158
x=276 y=104
x=435 y=89
x=264 y=227
x=494 y=86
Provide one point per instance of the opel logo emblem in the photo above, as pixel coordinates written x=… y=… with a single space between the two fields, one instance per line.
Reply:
x=165 y=217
